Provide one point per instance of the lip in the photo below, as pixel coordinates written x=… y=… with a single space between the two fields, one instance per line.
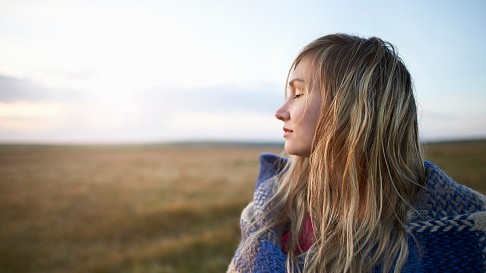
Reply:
x=287 y=131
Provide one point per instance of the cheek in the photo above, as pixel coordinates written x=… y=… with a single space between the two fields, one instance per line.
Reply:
x=299 y=114
x=313 y=113
x=306 y=116
x=313 y=122
x=310 y=129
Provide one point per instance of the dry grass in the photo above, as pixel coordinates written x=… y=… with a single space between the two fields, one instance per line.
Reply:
x=464 y=161
x=122 y=209
x=143 y=208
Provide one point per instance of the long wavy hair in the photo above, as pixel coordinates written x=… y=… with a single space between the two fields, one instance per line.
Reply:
x=366 y=164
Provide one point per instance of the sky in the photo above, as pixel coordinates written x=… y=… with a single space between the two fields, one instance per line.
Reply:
x=156 y=71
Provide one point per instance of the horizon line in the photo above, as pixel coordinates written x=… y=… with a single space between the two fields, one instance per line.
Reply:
x=195 y=142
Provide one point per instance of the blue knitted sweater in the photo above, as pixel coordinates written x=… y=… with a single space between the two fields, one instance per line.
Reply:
x=448 y=222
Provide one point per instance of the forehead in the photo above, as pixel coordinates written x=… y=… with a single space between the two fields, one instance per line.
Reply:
x=301 y=70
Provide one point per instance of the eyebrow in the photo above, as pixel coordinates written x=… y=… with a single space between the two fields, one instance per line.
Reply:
x=291 y=83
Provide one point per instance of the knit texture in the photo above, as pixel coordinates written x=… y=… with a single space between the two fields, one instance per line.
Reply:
x=447 y=226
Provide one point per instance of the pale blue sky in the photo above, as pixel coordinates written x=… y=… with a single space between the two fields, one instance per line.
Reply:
x=137 y=71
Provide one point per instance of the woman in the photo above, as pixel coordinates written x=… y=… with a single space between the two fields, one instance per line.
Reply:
x=355 y=194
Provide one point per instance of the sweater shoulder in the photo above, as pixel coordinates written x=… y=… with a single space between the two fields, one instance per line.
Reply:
x=444 y=197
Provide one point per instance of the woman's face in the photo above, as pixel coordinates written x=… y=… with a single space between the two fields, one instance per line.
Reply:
x=300 y=120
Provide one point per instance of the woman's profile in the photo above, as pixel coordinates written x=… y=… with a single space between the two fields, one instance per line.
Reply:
x=354 y=193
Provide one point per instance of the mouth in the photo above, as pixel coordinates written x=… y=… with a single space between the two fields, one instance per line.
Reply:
x=287 y=132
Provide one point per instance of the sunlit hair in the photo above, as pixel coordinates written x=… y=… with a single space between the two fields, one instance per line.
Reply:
x=366 y=165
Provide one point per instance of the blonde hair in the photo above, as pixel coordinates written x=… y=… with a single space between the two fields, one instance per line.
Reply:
x=366 y=165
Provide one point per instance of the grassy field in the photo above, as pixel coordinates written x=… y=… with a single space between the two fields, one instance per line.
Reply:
x=464 y=161
x=150 y=208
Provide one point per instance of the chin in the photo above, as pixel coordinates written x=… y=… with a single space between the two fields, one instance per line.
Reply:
x=298 y=151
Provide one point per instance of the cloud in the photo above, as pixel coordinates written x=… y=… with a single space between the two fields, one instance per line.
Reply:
x=232 y=125
x=34 y=113
x=262 y=98
x=14 y=89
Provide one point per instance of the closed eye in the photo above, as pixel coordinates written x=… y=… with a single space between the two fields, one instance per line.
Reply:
x=296 y=96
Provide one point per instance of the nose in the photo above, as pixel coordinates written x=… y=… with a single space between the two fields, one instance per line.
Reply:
x=282 y=113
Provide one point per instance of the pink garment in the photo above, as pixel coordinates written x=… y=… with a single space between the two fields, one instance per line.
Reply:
x=305 y=239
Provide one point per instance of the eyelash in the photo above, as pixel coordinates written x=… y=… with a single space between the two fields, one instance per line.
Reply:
x=297 y=96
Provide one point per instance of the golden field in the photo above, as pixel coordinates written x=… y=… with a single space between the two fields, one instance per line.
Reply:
x=147 y=208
